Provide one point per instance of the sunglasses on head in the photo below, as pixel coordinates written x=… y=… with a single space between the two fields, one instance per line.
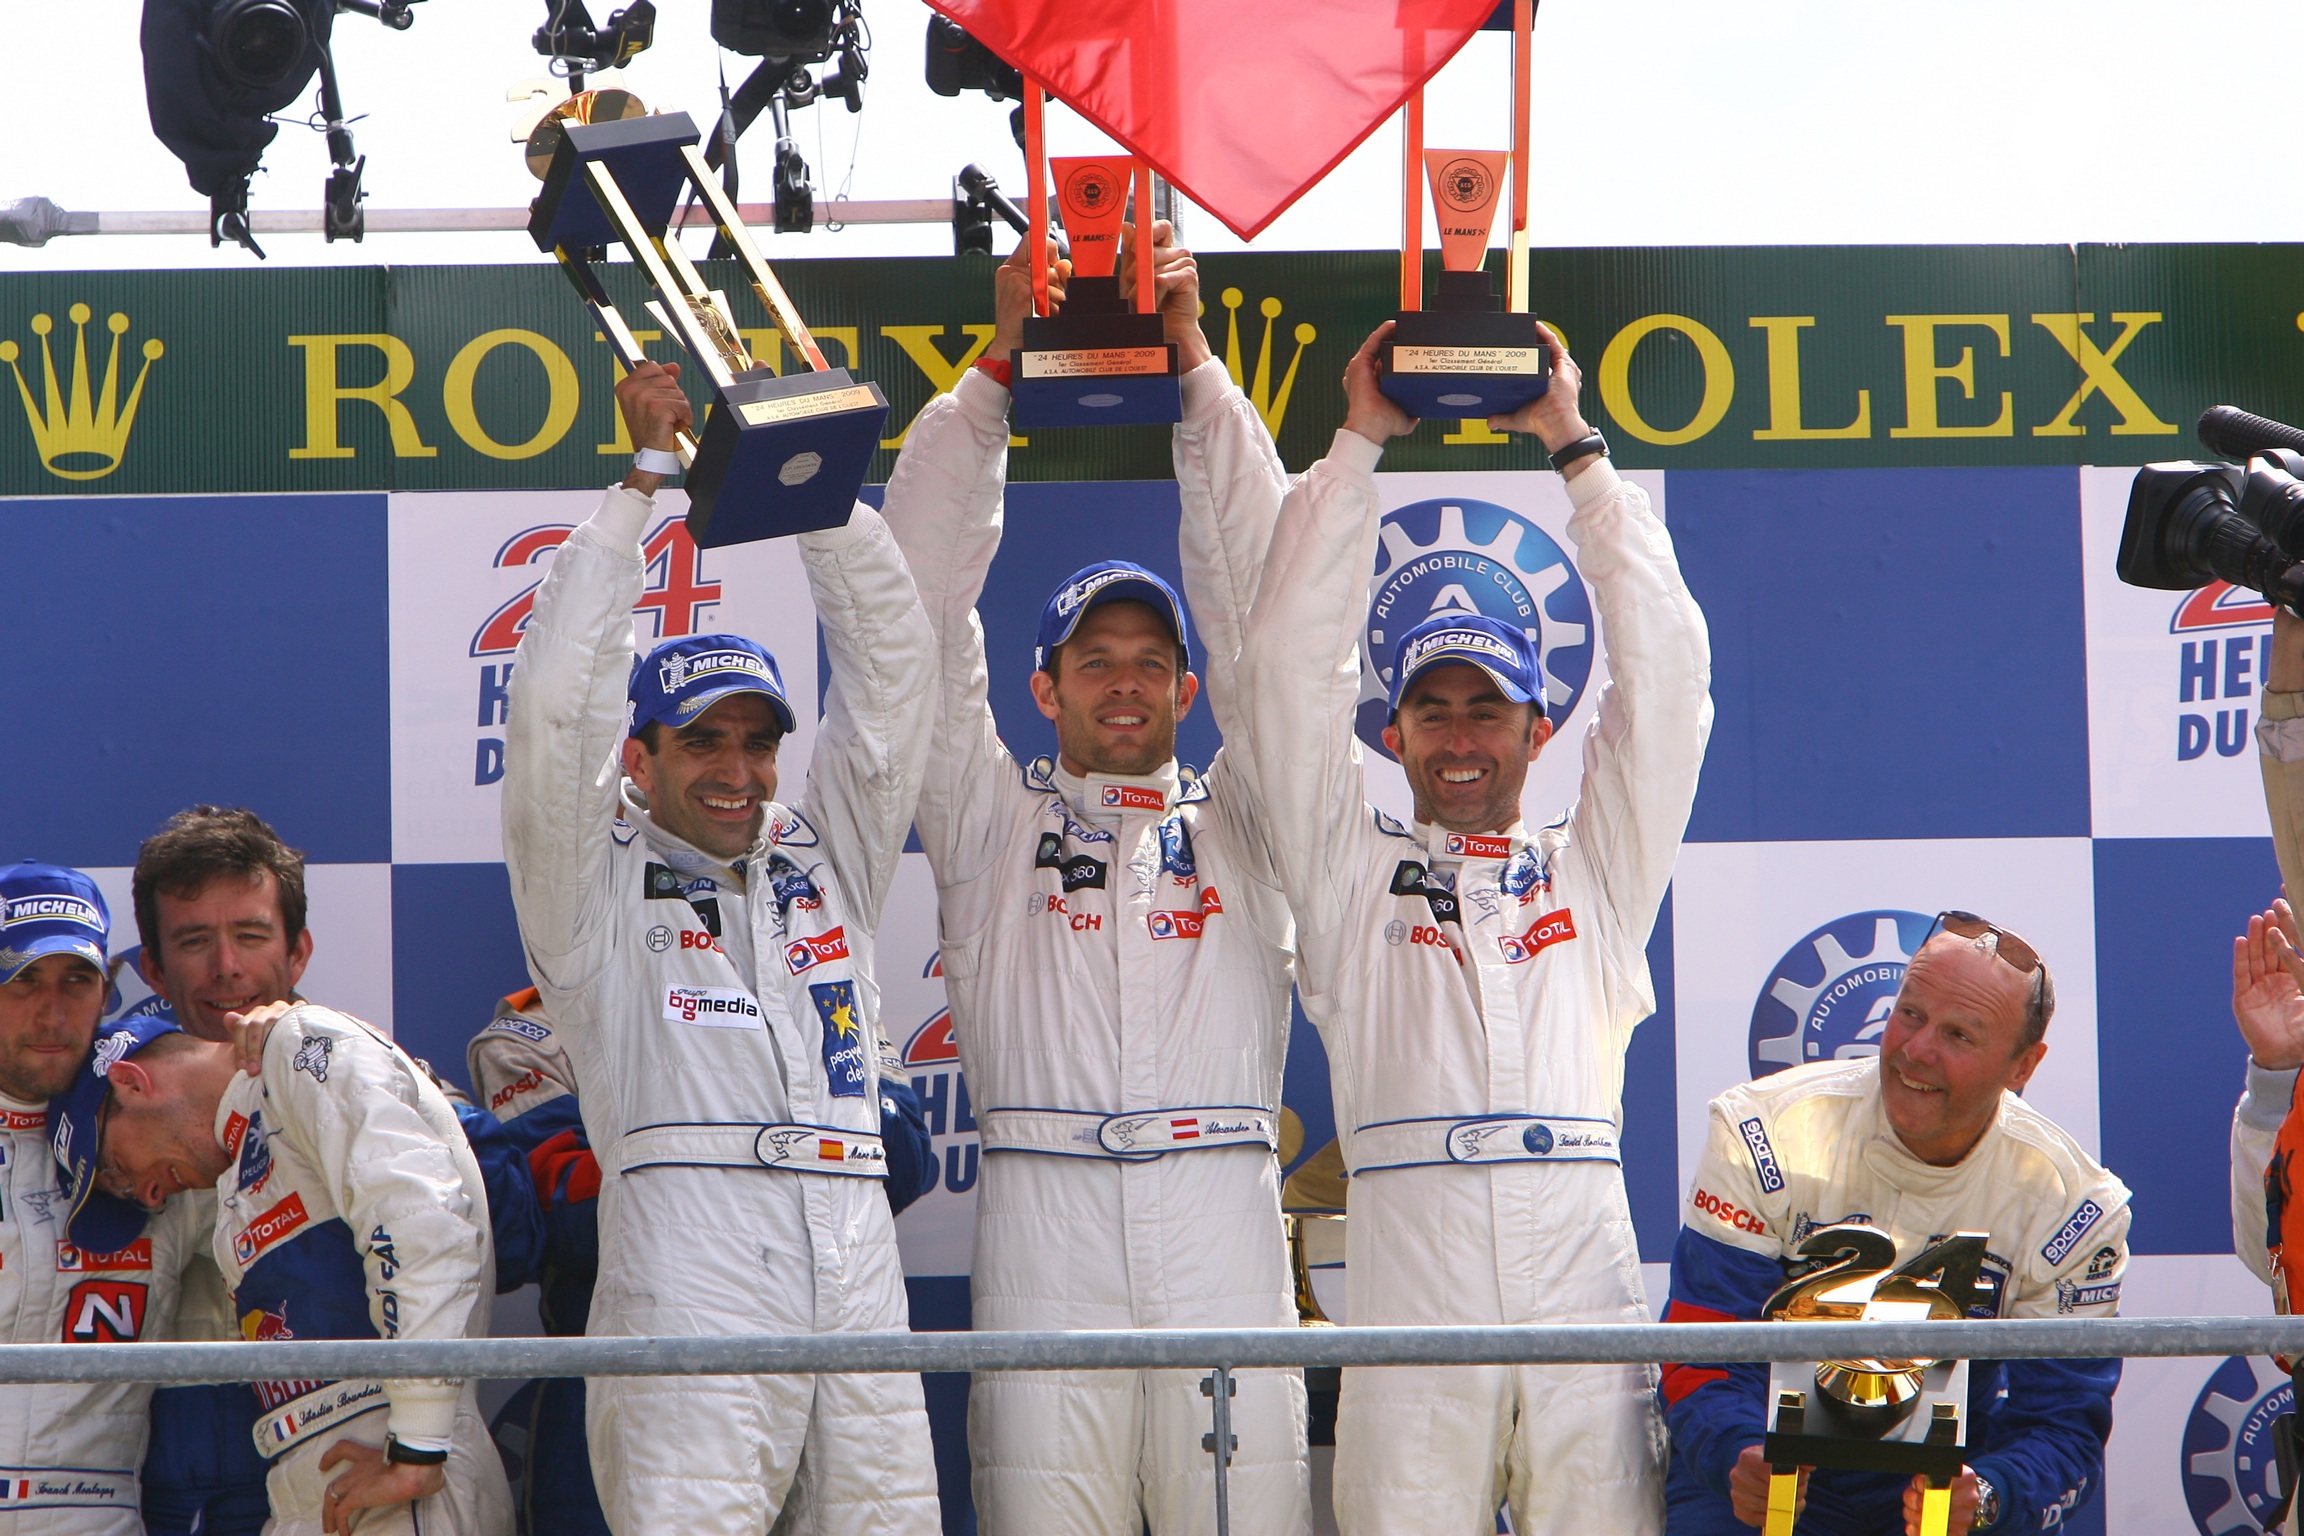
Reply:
x=2008 y=946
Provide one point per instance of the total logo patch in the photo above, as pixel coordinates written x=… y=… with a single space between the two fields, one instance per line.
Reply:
x=71 y=1260
x=1829 y=997
x=807 y=953
x=1467 y=557
x=1468 y=845
x=1133 y=797
x=712 y=1007
x=1550 y=929
x=268 y=1229
x=1175 y=925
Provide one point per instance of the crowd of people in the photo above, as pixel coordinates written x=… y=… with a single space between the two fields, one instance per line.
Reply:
x=691 y=1125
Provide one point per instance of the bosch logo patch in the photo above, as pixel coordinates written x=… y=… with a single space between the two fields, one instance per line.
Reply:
x=1763 y=1155
x=806 y=954
x=526 y=1082
x=1728 y=1215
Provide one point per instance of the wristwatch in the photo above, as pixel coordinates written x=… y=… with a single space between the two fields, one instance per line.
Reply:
x=410 y=1456
x=656 y=461
x=1987 y=1505
x=1590 y=442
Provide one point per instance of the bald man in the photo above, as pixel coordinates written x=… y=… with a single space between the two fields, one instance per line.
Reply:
x=1928 y=1138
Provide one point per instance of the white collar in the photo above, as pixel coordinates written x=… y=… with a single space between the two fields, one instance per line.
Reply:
x=1106 y=798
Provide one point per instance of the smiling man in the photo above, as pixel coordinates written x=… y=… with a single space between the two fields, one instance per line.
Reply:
x=1116 y=952
x=349 y=1206
x=704 y=952
x=220 y=909
x=71 y=1450
x=1927 y=1139
x=1476 y=982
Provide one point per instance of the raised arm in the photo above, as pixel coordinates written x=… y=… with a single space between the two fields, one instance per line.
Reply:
x=567 y=707
x=944 y=507
x=1646 y=742
x=1299 y=670
x=2269 y=1007
x=864 y=774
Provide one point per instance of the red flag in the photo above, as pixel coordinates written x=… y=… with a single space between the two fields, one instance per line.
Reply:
x=1242 y=104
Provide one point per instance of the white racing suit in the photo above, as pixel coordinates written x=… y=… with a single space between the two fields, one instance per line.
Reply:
x=1476 y=995
x=354 y=1209
x=720 y=1020
x=69 y=1453
x=1116 y=955
x=1811 y=1147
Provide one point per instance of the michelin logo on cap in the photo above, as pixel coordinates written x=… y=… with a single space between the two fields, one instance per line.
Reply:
x=677 y=671
x=1079 y=592
x=45 y=909
x=1457 y=640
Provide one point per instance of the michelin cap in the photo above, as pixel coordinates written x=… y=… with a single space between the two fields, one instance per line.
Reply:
x=681 y=679
x=100 y=1223
x=1092 y=586
x=46 y=909
x=1507 y=655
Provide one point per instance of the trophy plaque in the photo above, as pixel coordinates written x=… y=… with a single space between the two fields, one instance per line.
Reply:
x=1897 y=1416
x=777 y=455
x=1462 y=351
x=1103 y=361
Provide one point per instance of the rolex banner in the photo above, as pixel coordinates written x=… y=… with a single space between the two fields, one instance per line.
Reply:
x=302 y=514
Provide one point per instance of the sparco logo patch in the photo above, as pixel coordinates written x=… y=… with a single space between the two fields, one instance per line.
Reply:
x=1763 y=1155
x=268 y=1229
x=2075 y=1228
x=713 y=1007
x=806 y=954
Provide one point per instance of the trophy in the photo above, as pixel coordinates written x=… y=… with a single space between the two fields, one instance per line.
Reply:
x=1103 y=361
x=776 y=455
x=1462 y=350
x=1898 y=1416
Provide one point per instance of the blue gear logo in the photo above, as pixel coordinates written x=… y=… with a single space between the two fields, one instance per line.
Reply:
x=1461 y=556
x=1828 y=998
x=2231 y=1476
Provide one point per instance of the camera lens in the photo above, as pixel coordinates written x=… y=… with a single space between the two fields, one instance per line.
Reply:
x=259 y=44
x=2273 y=499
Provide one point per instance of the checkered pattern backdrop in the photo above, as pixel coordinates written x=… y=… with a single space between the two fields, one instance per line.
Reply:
x=1930 y=692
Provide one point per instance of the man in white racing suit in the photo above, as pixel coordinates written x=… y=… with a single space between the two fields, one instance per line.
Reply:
x=705 y=953
x=348 y=1206
x=1476 y=983
x=69 y=1453
x=1927 y=1139
x=1116 y=953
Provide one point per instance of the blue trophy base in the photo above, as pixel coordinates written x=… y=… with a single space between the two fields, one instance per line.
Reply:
x=1095 y=370
x=1458 y=363
x=781 y=456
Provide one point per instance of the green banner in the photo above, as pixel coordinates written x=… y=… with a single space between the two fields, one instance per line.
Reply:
x=434 y=378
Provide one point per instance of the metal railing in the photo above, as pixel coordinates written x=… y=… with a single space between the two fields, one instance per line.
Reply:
x=1219 y=1351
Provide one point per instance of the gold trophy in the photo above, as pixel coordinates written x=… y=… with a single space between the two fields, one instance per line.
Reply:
x=1900 y=1416
x=777 y=455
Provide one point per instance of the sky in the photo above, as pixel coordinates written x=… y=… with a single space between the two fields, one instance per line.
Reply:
x=1659 y=122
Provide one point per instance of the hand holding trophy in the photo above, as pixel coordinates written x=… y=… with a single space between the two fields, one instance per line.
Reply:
x=777 y=455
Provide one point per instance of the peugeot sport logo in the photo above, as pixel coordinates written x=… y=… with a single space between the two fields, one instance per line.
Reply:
x=1828 y=999
x=1460 y=556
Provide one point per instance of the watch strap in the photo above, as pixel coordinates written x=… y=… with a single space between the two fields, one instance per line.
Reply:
x=2283 y=705
x=396 y=1450
x=656 y=461
x=1568 y=453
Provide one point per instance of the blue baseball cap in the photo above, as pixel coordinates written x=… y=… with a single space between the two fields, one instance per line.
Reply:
x=1107 y=581
x=100 y=1223
x=681 y=679
x=46 y=909
x=1507 y=655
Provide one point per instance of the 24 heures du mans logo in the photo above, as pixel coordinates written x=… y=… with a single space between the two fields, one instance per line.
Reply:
x=80 y=429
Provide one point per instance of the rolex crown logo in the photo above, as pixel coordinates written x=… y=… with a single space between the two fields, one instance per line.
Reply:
x=80 y=439
x=1270 y=404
